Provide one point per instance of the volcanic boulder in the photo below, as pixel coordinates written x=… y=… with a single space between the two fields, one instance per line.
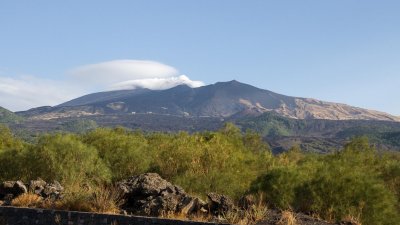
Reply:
x=149 y=194
x=14 y=188
x=220 y=204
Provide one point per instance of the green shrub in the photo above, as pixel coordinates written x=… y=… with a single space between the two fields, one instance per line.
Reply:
x=11 y=156
x=210 y=161
x=279 y=186
x=13 y=165
x=65 y=158
x=8 y=141
x=125 y=153
x=338 y=191
x=389 y=172
x=335 y=186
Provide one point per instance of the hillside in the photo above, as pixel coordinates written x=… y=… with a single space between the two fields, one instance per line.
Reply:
x=222 y=99
x=7 y=116
x=316 y=135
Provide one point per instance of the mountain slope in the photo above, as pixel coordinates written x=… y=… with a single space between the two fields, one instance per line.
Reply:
x=316 y=135
x=223 y=99
x=102 y=96
x=7 y=116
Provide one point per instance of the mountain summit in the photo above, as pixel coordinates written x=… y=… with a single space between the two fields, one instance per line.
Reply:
x=222 y=99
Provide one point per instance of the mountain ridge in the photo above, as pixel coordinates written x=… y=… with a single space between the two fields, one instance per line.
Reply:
x=222 y=99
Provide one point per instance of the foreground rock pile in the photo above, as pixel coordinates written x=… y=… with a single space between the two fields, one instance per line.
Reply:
x=149 y=194
x=12 y=189
x=145 y=194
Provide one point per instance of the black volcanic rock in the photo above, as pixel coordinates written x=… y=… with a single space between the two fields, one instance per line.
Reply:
x=149 y=194
x=13 y=188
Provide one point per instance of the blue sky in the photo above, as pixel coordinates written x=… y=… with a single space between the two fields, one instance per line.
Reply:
x=343 y=51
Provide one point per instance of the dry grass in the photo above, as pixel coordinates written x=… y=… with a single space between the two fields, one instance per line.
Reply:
x=107 y=200
x=234 y=217
x=101 y=199
x=240 y=217
x=252 y=215
x=198 y=217
x=257 y=212
x=75 y=201
x=27 y=200
x=201 y=217
x=176 y=216
x=287 y=218
x=352 y=219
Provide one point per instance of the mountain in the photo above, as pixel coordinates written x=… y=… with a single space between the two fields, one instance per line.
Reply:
x=222 y=100
x=6 y=116
x=283 y=121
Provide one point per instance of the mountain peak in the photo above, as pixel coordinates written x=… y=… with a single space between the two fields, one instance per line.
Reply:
x=229 y=82
x=222 y=99
x=233 y=83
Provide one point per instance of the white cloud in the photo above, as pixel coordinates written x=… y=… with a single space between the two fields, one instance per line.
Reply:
x=156 y=83
x=26 y=92
x=22 y=93
x=107 y=73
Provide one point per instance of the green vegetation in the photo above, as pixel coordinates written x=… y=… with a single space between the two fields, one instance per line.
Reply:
x=272 y=125
x=357 y=182
x=124 y=153
x=64 y=157
x=7 y=116
x=78 y=126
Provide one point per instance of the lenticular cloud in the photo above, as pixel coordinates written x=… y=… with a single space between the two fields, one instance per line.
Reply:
x=156 y=83
x=24 y=92
x=110 y=72
x=131 y=74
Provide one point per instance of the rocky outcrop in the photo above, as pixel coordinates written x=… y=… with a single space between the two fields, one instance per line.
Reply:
x=12 y=189
x=149 y=194
x=220 y=204
x=46 y=190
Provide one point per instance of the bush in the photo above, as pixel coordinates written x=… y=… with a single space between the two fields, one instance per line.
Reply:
x=12 y=163
x=7 y=139
x=336 y=186
x=125 y=153
x=279 y=186
x=338 y=191
x=65 y=158
x=210 y=161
